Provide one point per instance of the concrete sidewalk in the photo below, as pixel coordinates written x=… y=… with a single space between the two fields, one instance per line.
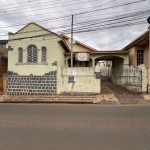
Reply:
x=95 y=99
x=110 y=94
x=104 y=99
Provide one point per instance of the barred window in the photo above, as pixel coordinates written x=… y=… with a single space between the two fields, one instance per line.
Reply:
x=140 y=57
x=32 y=54
x=44 y=51
x=20 y=55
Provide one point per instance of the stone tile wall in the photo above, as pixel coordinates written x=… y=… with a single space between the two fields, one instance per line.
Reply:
x=31 y=85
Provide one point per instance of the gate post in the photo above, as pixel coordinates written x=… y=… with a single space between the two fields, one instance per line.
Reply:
x=144 y=77
x=4 y=83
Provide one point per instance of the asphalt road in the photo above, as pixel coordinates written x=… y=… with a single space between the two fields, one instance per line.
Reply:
x=74 y=127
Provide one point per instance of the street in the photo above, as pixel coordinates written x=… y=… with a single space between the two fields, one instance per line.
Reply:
x=74 y=127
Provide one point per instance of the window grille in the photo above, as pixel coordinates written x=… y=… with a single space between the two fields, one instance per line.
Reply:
x=140 y=57
x=32 y=54
x=44 y=51
x=20 y=55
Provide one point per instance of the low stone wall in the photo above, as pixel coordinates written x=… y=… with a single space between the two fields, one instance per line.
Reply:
x=28 y=85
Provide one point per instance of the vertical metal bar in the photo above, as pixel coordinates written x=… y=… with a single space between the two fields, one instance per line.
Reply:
x=72 y=42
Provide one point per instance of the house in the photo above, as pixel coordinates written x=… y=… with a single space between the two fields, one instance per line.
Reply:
x=3 y=43
x=139 y=52
x=35 y=54
x=3 y=63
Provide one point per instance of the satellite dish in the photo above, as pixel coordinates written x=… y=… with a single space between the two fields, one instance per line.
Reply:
x=148 y=20
x=69 y=40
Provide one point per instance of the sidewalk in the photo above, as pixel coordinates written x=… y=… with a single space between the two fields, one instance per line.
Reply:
x=110 y=94
x=104 y=99
x=123 y=95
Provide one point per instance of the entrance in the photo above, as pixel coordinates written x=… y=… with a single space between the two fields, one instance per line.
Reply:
x=130 y=78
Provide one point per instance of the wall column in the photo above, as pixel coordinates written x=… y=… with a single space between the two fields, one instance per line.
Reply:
x=93 y=62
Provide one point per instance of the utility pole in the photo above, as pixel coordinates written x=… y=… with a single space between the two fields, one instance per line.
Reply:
x=72 y=42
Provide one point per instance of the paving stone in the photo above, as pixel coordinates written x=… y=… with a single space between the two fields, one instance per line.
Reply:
x=123 y=95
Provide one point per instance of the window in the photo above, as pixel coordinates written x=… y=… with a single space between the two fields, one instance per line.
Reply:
x=32 y=54
x=20 y=55
x=44 y=51
x=140 y=57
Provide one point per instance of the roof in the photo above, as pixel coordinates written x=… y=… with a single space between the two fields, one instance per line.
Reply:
x=102 y=52
x=64 y=36
x=36 y=25
x=141 y=38
x=60 y=36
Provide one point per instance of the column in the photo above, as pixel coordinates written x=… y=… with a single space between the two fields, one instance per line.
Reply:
x=93 y=62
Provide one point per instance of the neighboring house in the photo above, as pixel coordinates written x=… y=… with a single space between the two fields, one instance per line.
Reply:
x=3 y=56
x=3 y=43
x=3 y=63
x=35 y=53
x=139 y=52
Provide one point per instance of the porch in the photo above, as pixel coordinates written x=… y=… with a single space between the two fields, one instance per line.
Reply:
x=116 y=59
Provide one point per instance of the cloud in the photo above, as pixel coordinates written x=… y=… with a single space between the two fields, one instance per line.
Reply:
x=23 y=12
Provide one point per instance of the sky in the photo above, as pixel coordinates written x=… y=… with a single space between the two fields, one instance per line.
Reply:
x=95 y=22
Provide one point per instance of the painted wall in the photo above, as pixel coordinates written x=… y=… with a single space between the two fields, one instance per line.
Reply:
x=133 y=55
x=94 y=57
x=146 y=55
x=78 y=48
x=84 y=81
x=50 y=41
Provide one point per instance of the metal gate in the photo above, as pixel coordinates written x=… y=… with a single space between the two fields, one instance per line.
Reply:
x=131 y=78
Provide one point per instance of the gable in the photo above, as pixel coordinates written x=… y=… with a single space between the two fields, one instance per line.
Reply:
x=32 y=30
x=78 y=47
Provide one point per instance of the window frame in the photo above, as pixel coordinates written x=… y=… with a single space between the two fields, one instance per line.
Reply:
x=20 y=48
x=32 y=61
x=140 y=57
x=43 y=61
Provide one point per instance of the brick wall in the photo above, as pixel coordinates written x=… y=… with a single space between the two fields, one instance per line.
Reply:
x=31 y=85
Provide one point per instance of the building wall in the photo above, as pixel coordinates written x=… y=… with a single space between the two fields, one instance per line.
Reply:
x=78 y=48
x=146 y=55
x=84 y=81
x=50 y=41
x=3 y=65
x=133 y=55
x=31 y=85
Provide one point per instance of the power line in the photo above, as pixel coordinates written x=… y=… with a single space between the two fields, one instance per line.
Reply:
x=19 y=3
x=49 y=7
x=81 y=26
x=112 y=7
x=9 y=9
x=79 y=9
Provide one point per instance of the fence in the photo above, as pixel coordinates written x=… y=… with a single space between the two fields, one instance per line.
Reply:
x=133 y=78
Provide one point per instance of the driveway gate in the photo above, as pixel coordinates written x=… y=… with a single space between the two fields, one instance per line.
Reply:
x=131 y=77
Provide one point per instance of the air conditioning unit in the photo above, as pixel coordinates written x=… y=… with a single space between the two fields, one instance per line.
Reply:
x=82 y=56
